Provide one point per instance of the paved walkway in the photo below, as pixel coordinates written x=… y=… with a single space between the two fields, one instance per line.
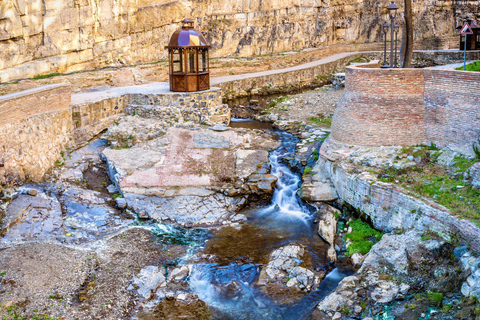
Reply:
x=450 y=66
x=163 y=87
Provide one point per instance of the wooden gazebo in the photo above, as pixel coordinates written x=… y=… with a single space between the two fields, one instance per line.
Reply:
x=188 y=55
x=473 y=40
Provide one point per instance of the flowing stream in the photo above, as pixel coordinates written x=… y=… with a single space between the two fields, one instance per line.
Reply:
x=229 y=286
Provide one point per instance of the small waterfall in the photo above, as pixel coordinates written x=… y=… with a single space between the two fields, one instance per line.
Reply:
x=285 y=202
x=230 y=289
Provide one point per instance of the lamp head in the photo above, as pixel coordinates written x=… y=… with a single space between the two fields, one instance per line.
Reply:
x=392 y=10
x=385 y=27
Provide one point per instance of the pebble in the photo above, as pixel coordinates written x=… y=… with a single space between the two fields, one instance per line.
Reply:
x=32 y=192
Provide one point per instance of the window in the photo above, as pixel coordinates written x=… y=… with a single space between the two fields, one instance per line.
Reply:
x=204 y=61
x=191 y=61
x=177 y=62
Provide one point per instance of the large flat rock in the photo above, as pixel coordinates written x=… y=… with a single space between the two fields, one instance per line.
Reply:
x=171 y=178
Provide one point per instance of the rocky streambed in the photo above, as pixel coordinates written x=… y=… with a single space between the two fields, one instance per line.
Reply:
x=154 y=221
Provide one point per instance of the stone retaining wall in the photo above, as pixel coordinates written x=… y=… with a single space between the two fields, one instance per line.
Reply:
x=390 y=207
x=35 y=127
x=287 y=80
x=194 y=106
x=408 y=107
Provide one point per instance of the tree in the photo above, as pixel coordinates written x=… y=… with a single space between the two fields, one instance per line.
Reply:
x=408 y=35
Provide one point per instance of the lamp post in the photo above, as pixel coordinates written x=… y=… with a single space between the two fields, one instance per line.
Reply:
x=392 y=12
x=396 y=27
x=385 y=30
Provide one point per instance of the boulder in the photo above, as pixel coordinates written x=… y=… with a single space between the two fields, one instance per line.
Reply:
x=284 y=269
x=474 y=175
x=147 y=281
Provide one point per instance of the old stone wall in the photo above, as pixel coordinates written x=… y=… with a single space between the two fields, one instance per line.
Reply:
x=409 y=106
x=452 y=101
x=91 y=118
x=284 y=80
x=35 y=127
x=194 y=106
x=390 y=207
x=44 y=36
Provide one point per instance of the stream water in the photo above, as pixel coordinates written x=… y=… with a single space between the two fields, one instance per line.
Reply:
x=227 y=279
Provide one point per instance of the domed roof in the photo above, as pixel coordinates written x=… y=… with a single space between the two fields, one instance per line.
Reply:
x=187 y=36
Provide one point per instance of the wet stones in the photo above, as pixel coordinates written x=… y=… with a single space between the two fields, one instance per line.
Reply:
x=29 y=217
x=148 y=280
x=394 y=267
x=327 y=228
x=186 y=210
x=473 y=175
x=284 y=269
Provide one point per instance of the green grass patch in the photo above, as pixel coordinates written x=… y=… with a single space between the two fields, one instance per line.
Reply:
x=271 y=105
x=444 y=186
x=307 y=170
x=362 y=237
x=46 y=76
x=474 y=66
x=435 y=297
x=321 y=121
x=123 y=147
x=359 y=60
x=117 y=195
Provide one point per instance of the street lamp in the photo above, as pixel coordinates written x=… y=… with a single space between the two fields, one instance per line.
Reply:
x=392 y=12
x=385 y=30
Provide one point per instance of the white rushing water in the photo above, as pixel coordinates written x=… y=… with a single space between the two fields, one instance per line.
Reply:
x=285 y=202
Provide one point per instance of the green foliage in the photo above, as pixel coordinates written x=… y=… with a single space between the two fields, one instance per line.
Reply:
x=45 y=76
x=410 y=306
x=435 y=297
x=358 y=60
x=3 y=273
x=14 y=313
x=321 y=120
x=117 y=195
x=474 y=66
x=346 y=311
x=361 y=237
x=307 y=170
x=446 y=307
x=123 y=147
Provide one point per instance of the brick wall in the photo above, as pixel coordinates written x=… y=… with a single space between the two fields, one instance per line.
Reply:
x=35 y=127
x=452 y=100
x=381 y=107
x=408 y=107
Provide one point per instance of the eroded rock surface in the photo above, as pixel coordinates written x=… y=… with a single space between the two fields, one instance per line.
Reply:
x=393 y=268
x=192 y=177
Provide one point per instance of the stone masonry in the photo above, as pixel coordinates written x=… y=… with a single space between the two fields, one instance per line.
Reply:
x=34 y=129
